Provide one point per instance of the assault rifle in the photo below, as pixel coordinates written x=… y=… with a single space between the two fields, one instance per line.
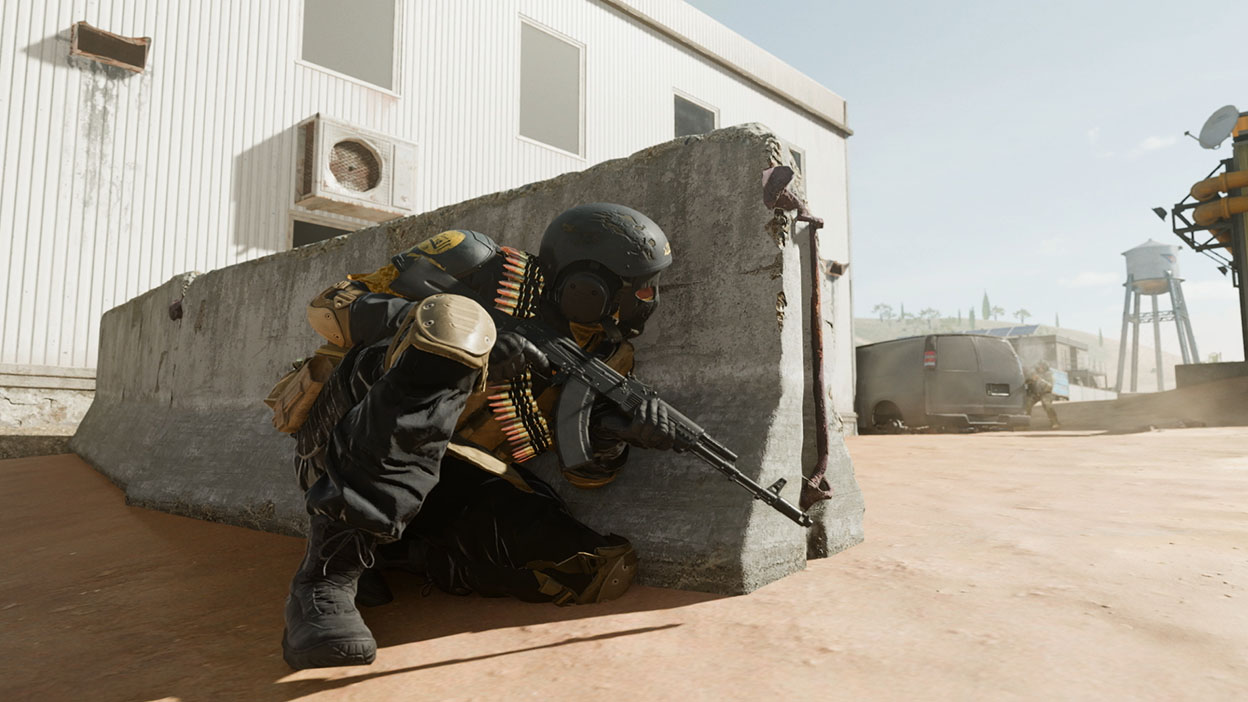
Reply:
x=584 y=378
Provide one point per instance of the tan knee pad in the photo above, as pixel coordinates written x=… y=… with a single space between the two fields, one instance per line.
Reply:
x=613 y=568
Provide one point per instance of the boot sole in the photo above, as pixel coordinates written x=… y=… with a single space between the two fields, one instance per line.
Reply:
x=331 y=654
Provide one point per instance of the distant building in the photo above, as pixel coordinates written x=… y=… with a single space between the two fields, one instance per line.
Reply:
x=129 y=161
x=1061 y=352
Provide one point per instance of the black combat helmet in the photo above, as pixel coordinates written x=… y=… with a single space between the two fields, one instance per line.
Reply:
x=601 y=262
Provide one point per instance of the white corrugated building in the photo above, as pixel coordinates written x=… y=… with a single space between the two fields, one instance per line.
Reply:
x=114 y=180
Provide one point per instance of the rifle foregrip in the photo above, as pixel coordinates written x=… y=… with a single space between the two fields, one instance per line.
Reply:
x=687 y=433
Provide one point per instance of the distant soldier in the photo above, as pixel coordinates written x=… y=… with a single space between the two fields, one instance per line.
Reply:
x=1040 y=389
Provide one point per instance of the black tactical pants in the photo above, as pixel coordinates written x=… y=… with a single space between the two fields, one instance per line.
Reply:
x=478 y=533
x=372 y=456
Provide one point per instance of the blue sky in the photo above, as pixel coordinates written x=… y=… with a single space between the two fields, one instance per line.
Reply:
x=1018 y=147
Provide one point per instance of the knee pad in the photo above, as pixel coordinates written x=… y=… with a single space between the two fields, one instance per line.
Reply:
x=612 y=568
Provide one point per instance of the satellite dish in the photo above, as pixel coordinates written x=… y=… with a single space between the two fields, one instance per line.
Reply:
x=1218 y=127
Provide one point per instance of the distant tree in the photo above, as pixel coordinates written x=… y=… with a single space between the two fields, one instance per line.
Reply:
x=1022 y=315
x=902 y=316
x=972 y=318
x=883 y=311
x=930 y=315
x=986 y=308
x=1214 y=357
x=995 y=313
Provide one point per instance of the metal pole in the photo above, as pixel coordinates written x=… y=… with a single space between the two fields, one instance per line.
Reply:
x=1122 y=338
x=1239 y=238
x=1178 y=319
x=1135 y=344
x=1161 y=385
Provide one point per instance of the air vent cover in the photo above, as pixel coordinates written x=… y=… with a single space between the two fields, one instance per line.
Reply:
x=354 y=166
x=351 y=171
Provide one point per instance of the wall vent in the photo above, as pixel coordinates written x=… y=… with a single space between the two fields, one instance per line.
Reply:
x=350 y=171
x=106 y=47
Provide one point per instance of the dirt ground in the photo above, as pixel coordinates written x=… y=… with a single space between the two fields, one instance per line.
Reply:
x=1044 y=565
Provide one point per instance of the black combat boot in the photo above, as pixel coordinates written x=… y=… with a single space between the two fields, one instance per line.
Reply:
x=323 y=627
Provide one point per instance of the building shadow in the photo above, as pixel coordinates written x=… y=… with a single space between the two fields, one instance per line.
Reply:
x=261 y=195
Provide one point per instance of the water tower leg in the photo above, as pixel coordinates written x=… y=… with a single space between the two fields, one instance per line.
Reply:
x=1178 y=318
x=1187 y=323
x=1135 y=344
x=1161 y=384
x=1122 y=338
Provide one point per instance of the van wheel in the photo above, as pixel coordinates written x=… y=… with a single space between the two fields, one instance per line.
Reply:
x=886 y=419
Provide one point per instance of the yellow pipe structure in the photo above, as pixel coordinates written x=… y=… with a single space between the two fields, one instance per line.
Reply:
x=1210 y=187
x=1222 y=208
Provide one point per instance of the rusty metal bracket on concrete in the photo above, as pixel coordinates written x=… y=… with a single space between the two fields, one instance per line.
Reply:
x=778 y=196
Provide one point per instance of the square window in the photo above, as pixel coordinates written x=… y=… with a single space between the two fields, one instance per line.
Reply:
x=692 y=118
x=551 y=95
x=356 y=39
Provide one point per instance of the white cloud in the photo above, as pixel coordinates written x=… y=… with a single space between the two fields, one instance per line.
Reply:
x=1153 y=143
x=1091 y=279
x=1094 y=140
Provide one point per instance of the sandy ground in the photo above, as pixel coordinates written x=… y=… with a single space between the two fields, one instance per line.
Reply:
x=1055 y=565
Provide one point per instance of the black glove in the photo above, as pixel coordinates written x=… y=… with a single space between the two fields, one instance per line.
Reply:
x=512 y=353
x=649 y=427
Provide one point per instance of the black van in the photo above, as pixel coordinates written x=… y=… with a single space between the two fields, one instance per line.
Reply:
x=939 y=382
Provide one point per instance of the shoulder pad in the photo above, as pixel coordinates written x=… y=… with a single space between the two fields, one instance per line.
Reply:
x=329 y=313
x=460 y=252
x=451 y=326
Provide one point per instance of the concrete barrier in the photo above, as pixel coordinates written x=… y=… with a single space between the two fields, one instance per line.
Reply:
x=1187 y=375
x=179 y=424
x=1221 y=403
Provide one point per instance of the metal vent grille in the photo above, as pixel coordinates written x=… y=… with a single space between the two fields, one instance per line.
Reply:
x=309 y=151
x=354 y=166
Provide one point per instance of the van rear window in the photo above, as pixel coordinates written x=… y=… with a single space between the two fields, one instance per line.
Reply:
x=955 y=353
x=997 y=356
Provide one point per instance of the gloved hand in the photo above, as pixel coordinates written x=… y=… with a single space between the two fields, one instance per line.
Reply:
x=649 y=428
x=512 y=353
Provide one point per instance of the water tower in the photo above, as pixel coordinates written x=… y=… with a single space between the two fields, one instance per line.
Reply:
x=1152 y=270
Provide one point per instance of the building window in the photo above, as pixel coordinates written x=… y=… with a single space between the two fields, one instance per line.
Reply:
x=356 y=39
x=799 y=159
x=304 y=233
x=551 y=89
x=693 y=118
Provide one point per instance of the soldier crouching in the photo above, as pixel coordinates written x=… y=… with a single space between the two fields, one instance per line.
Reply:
x=411 y=455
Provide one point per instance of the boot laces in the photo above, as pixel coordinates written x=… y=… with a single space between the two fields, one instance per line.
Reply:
x=344 y=541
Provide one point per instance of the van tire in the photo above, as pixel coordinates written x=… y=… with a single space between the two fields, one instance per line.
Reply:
x=886 y=419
